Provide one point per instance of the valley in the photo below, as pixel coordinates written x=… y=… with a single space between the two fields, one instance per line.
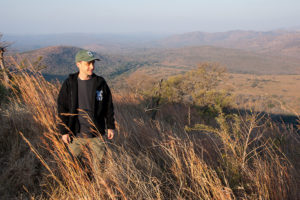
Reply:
x=262 y=68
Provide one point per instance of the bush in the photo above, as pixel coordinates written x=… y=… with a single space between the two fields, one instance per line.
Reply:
x=196 y=88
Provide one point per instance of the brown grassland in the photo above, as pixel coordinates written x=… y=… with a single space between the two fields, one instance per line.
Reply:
x=278 y=94
x=228 y=156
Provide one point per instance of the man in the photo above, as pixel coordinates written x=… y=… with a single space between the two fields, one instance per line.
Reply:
x=84 y=98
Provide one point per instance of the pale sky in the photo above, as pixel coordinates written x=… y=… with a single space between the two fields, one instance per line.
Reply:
x=149 y=16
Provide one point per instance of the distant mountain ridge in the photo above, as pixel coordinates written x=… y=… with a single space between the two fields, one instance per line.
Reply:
x=235 y=60
x=273 y=52
x=60 y=60
x=278 y=42
x=22 y=43
x=284 y=42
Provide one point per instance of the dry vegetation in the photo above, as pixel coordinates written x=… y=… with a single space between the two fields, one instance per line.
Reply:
x=238 y=157
x=273 y=93
x=277 y=94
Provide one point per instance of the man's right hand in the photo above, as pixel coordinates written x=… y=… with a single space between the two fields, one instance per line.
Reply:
x=66 y=138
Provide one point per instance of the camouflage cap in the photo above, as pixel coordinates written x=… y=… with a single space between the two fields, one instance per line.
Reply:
x=85 y=55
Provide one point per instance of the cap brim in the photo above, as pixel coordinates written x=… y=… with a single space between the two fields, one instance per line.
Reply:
x=93 y=59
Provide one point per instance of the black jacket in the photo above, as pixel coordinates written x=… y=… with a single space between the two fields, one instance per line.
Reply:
x=67 y=102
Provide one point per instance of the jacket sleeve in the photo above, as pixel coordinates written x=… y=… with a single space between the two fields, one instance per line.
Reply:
x=63 y=107
x=109 y=114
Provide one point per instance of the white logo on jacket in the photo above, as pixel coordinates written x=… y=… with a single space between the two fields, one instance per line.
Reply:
x=99 y=95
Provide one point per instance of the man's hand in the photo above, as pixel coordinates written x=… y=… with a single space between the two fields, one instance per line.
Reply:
x=110 y=133
x=66 y=138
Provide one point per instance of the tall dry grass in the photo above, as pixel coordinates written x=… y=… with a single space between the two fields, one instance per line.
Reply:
x=243 y=157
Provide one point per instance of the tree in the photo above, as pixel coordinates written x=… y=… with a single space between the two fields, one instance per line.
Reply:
x=195 y=87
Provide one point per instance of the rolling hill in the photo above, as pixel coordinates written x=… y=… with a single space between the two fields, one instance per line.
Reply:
x=60 y=60
x=144 y=66
x=235 y=60
x=279 y=42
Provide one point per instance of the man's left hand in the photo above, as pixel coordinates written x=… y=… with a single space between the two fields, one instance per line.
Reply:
x=110 y=133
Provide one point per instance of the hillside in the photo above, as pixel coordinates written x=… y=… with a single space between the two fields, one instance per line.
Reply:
x=236 y=61
x=28 y=42
x=273 y=52
x=277 y=94
x=184 y=152
x=162 y=62
x=60 y=61
x=278 y=42
x=271 y=93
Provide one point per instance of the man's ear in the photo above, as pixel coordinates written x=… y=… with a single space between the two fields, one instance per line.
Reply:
x=78 y=64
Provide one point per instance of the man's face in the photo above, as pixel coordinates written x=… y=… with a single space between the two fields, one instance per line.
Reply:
x=86 y=68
